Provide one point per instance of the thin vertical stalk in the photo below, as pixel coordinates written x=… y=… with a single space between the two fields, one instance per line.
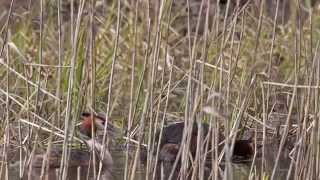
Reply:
x=114 y=59
x=65 y=154
x=93 y=81
x=133 y=64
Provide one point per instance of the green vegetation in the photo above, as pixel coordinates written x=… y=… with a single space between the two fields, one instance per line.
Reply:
x=145 y=67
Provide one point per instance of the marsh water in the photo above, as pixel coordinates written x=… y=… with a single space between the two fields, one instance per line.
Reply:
x=240 y=171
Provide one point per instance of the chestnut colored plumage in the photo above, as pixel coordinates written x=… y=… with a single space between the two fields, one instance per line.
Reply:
x=98 y=126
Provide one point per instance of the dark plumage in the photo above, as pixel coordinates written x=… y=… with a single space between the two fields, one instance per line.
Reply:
x=243 y=148
x=172 y=136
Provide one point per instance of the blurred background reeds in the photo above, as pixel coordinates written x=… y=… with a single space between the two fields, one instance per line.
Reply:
x=250 y=69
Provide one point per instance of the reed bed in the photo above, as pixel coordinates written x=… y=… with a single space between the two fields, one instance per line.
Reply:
x=249 y=69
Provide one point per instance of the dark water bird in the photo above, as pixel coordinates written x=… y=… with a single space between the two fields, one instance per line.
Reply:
x=166 y=159
x=172 y=134
x=171 y=140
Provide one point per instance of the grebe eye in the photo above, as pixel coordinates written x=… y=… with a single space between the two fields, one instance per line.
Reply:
x=85 y=114
x=223 y=1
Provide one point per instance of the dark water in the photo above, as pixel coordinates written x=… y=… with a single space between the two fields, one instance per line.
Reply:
x=240 y=171
x=118 y=155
